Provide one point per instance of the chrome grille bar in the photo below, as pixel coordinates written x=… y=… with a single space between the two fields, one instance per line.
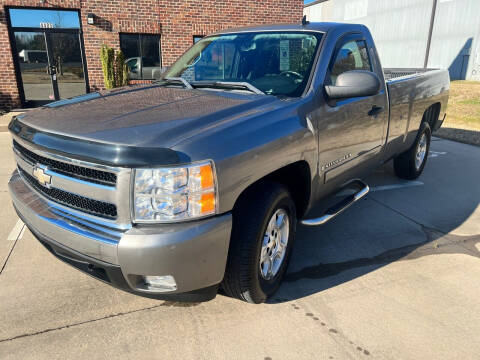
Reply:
x=69 y=184
x=67 y=168
x=94 y=207
x=80 y=198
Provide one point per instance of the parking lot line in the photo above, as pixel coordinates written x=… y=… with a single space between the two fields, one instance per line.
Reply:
x=434 y=154
x=17 y=231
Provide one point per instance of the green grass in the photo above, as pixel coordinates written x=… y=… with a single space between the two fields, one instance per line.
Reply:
x=470 y=102
x=463 y=110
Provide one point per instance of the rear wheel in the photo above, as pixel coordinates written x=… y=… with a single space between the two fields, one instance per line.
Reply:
x=263 y=232
x=410 y=164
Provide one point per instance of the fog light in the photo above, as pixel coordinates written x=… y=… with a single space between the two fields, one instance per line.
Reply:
x=160 y=283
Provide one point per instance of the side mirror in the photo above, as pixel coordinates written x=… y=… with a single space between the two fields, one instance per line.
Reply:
x=355 y=83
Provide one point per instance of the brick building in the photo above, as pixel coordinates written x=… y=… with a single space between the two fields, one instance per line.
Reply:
x=51 y=49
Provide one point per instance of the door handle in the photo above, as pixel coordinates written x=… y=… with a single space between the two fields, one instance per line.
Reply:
x=375 y=110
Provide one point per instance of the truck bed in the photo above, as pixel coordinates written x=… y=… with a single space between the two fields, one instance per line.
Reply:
x=395 y=73
x=410 y=92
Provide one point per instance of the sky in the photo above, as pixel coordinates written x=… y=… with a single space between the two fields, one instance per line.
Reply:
x=307 y=1
x=32 y=18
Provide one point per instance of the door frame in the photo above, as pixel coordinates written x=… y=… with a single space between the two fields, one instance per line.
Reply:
x=46 y=31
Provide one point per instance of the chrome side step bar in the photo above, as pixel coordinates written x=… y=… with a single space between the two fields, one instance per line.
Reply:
x=341 y=206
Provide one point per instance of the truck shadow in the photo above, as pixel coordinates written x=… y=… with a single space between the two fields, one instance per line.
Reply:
x=386 y=227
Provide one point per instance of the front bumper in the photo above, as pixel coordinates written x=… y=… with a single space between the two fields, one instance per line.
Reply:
x=194 y=253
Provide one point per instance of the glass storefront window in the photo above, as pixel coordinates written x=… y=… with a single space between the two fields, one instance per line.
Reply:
x=142 y=54
x=40 y=18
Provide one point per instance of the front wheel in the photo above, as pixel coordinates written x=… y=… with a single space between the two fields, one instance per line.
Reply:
x=410 y=164
x=263 y=232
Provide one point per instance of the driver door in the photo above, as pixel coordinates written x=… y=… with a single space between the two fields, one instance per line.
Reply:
x=350 y=130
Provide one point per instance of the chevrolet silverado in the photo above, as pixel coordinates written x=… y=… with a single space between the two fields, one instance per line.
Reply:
x=173 y=189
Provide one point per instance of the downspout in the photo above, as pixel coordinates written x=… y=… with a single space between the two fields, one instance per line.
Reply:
x=430 y=32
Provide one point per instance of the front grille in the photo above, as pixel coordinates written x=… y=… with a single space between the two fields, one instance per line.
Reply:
x=79 y=172
x=94 y=207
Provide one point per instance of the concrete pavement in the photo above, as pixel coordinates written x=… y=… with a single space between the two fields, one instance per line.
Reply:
x=394 y=277
x=5 y=120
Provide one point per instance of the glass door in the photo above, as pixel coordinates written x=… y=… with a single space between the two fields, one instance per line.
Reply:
x=47 y=49
x=67 y=63
x=33 y=65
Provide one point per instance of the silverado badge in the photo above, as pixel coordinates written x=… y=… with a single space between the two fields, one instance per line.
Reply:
x=42 y=178
x=336 y=162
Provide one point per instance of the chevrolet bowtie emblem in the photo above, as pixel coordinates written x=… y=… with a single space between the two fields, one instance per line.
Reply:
x=39 y=174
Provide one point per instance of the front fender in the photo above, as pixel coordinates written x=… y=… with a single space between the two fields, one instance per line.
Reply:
x=248 y=150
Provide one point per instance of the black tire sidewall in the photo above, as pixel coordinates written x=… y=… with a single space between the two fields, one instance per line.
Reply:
x=424 y=129
x=404 y=164
x=261 y=288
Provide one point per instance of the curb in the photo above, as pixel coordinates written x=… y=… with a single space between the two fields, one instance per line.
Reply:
x=471 y=137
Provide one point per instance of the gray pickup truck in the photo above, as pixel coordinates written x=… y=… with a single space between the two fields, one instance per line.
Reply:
x=195 y=182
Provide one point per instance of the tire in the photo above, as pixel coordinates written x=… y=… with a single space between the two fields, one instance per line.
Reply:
x=244 y=279
x=407 y=165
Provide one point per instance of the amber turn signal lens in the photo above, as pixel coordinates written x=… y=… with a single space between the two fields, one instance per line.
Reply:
x=206 y=174
x=207 y=203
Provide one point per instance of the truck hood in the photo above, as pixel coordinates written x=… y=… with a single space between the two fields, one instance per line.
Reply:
x=145 y=116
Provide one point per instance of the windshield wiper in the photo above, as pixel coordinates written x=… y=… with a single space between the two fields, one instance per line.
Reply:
x=228 y=85
x=177 y=80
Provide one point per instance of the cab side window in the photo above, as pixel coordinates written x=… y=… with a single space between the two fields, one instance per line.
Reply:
x=353 y=55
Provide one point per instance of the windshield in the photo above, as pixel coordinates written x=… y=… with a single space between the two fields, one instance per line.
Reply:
x=277 y=63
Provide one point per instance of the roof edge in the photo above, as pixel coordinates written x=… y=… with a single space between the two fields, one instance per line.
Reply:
x=314 y=3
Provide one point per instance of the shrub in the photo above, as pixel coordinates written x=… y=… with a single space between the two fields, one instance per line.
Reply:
x=113 y=67
x=107 y=55
x=121 y=73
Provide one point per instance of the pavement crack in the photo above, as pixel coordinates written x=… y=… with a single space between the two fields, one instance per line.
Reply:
x=8 y=256
x=81 y=323
x=324 y=270
x=423 y=226
x=436 y=242
x=432 y=234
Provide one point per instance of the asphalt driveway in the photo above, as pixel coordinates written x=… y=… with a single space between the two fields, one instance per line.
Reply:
x=394 y=277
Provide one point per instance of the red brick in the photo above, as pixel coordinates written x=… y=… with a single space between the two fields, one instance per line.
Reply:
x=175 y=21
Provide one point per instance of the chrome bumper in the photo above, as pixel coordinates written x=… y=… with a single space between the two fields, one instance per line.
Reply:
x=194 y=253
x=45 y=217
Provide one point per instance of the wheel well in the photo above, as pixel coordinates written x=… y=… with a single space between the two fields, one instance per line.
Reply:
x=431 y=115
x=296 y=177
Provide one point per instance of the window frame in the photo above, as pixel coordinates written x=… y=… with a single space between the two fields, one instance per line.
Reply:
x=140 y=50
x=196 y=36
x=338 y=46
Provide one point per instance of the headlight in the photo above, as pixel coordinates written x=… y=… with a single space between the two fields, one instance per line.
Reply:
x=174 y=193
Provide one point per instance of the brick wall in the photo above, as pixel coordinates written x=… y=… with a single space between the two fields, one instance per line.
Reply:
x=176 y=22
